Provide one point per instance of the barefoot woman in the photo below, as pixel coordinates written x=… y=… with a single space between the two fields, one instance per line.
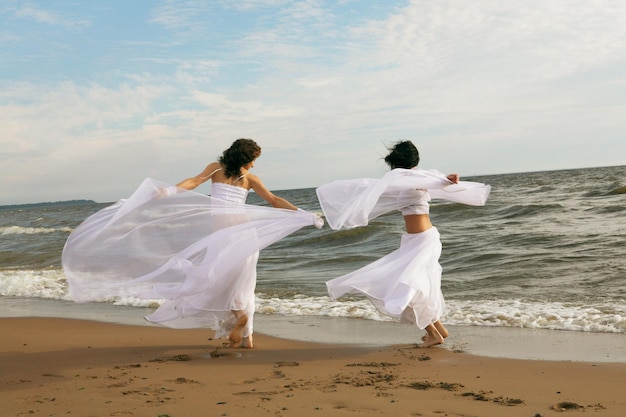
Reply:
x=231 y=180
x=195 y=253
x=405 y=284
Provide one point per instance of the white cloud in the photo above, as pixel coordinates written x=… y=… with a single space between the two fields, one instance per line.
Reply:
x=40 y=15
x=482 y=87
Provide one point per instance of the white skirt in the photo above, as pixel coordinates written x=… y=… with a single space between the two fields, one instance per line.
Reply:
x=405 y=284
x=213 y=306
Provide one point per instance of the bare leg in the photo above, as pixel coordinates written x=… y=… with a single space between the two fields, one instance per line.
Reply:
x=440 y=328
x=236 y=335
x=433 y=337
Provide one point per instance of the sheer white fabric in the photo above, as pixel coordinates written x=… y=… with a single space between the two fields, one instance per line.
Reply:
x=195 y=252
x=353 y=203
x=405 y=284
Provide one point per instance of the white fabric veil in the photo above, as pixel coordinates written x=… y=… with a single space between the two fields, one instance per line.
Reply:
x=352 y=203
x=175 y=248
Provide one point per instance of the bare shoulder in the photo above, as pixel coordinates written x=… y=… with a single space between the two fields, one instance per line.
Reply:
x=213 y=166
x=253 y=179
x=210 y=168
x=256 y=184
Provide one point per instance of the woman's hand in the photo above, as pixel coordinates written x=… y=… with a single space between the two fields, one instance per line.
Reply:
x=454 y=178
x=165 y=192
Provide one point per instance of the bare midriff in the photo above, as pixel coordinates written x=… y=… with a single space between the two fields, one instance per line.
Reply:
x=417 y=223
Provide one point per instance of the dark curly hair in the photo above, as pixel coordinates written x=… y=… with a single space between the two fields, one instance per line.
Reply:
x=403 y=154
x=240 y=153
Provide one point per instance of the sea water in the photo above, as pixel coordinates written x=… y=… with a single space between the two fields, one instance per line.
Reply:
x=546 y=252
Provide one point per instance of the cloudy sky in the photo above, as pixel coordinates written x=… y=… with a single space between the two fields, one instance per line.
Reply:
x=95 y=96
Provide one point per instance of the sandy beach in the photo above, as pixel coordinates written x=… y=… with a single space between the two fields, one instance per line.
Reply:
x=71 y=367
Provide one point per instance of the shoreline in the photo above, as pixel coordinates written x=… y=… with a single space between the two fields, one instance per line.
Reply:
x=494 y=342
x=62 y=366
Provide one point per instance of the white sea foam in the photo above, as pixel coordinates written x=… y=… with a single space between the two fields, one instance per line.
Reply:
x=610 y=317
x=35 y=284
x=607 y=318
x=19 y=230
x=602 y=318
x=318 y=306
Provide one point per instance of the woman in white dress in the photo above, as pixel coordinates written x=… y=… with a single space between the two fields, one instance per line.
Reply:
x=197 y=254
x=231 y=180
x=405 y=284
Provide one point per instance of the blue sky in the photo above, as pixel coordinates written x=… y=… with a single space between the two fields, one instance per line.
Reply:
x=95 y=96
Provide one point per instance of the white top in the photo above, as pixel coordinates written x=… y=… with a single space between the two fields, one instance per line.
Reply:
x=353 y=203
x=230 y=193
x=420 y=205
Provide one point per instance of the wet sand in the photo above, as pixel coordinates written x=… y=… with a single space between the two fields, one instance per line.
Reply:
x=514 y=343
x=70 y=367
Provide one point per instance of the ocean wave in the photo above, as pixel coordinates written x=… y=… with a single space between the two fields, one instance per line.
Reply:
x=618 y=209
x=618 y=190
x=518 y=211
x=601 y=316
x=606 y=317
x=34 y=284
x=20 y=230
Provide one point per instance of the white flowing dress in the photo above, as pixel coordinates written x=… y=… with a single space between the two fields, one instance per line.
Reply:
x=405 y=284
x=196 y=254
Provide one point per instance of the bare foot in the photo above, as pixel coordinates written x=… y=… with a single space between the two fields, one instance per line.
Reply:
x=433 y=337
x=440 y=328
x=236 y=335
x=431 y=340
x=246 y=342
